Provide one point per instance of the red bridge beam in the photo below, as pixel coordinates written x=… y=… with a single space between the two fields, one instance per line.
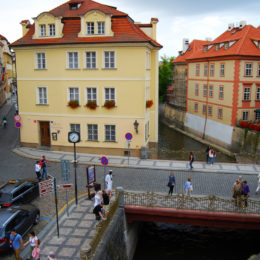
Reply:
x=193 y=217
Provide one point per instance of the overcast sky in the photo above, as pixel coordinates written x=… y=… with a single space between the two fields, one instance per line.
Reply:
x=177 y=19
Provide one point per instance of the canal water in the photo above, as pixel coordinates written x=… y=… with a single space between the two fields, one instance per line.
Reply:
x=176 y=146
x=182 y=242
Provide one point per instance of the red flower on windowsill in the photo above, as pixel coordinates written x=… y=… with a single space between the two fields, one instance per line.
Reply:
x=109 y=104
x=149 y=103
x=92 y=104
x=73 y=104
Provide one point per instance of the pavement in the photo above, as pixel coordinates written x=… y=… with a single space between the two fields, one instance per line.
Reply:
x=131 y=173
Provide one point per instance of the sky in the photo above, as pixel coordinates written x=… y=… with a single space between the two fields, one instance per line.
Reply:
x=180 y=19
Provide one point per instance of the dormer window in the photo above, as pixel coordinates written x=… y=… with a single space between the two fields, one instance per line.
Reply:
x=217 y=47
x=74 y=6
x=43 y=30
x=205 y=48
x=90 y=28
x=226 y=45
x=52 y=29
x=101 y=27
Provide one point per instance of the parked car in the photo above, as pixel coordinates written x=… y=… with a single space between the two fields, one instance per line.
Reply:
x=21 y=218
x=18 y=191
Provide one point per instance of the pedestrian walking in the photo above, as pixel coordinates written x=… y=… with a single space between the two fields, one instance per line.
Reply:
x=34 y=243
x=98 y=198
x=237 y=191
x=99 y=212
x=37 y=168
x=51 y=256
x=258 y=185
x=171 y=183
x=109 y=182
x=207 y=154
x=16 y=109
x=4 y=121
x=211 y=156
x=188 y=187
x=44 y=168
x=191 y=159
x=106 y=199
x=16 y=242
x=246 y=192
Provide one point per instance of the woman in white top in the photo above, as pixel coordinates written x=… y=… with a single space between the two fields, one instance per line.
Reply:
x=33 y=240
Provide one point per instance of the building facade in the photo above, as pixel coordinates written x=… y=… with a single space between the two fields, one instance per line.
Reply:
x=88 y=67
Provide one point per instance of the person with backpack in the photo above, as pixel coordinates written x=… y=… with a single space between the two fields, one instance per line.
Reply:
x=16 y=242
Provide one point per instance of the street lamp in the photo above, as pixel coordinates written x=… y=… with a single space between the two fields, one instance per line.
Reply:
x=136 y=124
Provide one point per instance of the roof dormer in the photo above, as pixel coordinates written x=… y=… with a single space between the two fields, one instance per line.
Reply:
x=47 y=26
x=96 y=24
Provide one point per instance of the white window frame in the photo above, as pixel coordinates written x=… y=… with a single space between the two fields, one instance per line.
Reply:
x=92 y=134
x=41 y=61
x=248 y=69
x=101 y=28
x=92 y=65
x=42 y=100
x=222 y=69
x=43 y=30
x=258 y=93
x=75 y=127
x=258 y=71
x=108 y=64
x=211 y=91
x=210 y=110
x=221 y=92
x=74 y=63
x=90 y=28
x=52 y=29
x=257 y=115
x=197 y=90
x=220 y=113
x=205 y=90
x=74 y=94
x=246 y=94
x=197 y=72
x=92 y=94
x=110 y=95
x=112 y=137
x=211 y=69
x=206 y=70
x=204 y=109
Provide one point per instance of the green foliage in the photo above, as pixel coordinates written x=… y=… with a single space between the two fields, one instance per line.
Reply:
x=165 y=76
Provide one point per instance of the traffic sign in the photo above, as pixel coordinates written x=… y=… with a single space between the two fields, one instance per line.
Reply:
x=65 y=170
x=128 y=136
x=104 y=161
x=46 y=187
x=17 y=117
x=64 y=186
x=18 y=124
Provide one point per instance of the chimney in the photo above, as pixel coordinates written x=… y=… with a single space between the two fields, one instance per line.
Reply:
x=154 y=22
x=25 y=26
x=231 y=26
x=208 y=39
x=185 y=44
x=242 y=24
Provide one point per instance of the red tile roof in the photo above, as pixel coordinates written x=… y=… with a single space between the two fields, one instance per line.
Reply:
x=122 y=25
x=194 y=47
x=243 y=46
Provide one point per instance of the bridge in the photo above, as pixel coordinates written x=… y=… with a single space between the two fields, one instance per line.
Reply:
x=191 y=210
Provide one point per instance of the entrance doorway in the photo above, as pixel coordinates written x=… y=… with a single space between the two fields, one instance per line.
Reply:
x=45 y=133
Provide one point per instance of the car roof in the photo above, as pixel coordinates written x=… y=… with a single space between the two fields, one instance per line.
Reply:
x=12 y=185
x=5 y=214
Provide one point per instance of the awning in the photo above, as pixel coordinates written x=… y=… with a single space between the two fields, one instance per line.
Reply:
x=257 y=111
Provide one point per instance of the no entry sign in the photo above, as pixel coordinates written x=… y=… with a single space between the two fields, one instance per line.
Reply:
x=17 y=117
x=104 y=161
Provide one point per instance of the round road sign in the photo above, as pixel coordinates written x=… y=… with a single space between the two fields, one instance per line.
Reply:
x=17 y=118
x=18 y=124
x=128 y=136
x=104 y=161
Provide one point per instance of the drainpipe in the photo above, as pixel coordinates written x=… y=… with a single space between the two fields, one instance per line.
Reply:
x=206 y=114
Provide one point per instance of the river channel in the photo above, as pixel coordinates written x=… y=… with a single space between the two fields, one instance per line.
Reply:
x=176 y=146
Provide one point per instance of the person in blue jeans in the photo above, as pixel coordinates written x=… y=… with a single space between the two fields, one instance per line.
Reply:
x=246 y=192
x=44 y=168
x=191 y=159
x=16 y=242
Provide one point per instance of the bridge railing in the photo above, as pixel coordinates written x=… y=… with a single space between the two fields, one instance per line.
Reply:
x=180 y=201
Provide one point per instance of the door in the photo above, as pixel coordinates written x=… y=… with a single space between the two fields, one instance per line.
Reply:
x=45 y=133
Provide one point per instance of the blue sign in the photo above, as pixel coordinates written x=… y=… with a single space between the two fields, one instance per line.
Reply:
x=18 y=124
x=104 y=161
x=128 y=136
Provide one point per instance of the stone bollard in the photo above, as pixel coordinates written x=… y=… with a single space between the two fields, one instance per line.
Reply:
x=121 y=202
x=85 y=253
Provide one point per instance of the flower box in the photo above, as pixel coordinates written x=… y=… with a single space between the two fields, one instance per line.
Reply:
x=73 y=104
x=92 y=104
x=109 y=104
x=149 y=103
x=244 y=124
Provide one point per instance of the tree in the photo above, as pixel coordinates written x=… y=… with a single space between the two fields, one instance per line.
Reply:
x=165 y=76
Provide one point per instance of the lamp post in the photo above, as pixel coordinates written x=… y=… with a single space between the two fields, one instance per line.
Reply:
x=74 y=137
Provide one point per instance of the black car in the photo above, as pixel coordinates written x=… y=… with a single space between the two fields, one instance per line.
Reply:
x=21 y=218
x=18 y=191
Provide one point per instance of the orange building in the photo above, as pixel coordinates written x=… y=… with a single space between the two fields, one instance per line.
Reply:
x=223 y=83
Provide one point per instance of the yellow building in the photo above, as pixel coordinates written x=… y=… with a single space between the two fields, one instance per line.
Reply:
x=6 y=70
x=74 y=62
